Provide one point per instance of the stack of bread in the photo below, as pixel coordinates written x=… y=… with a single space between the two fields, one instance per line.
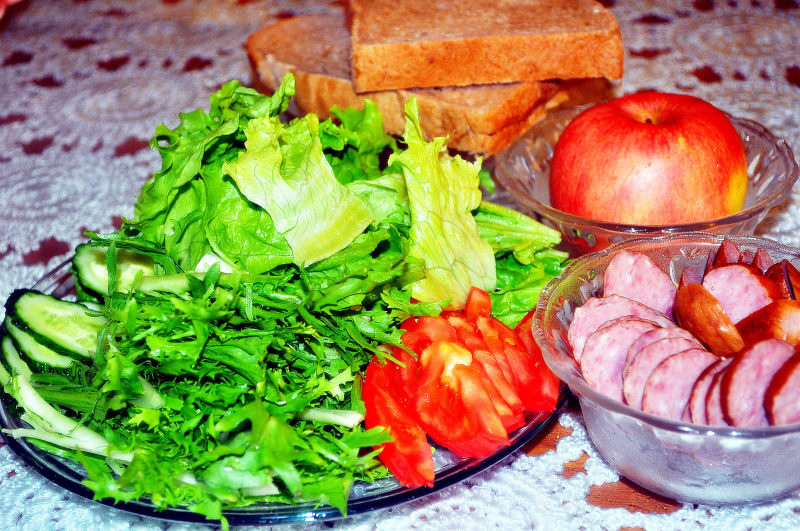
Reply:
x=482 y=71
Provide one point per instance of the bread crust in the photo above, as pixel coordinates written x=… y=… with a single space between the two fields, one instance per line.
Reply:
x=477 y=119
x=434 y=43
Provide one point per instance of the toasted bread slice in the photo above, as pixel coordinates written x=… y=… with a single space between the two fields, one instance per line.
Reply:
x=436 y=43
x=478 y=119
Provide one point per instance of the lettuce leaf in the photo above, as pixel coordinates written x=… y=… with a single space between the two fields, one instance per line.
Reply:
x=508 y=230
x=443 y=191
x=283 y=170
x=359 y=140
x=171 y=208
x=200 y=138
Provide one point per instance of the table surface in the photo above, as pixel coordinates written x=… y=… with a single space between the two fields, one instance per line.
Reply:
x=83 y=84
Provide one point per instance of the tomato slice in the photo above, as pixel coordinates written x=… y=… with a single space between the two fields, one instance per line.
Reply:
x=409 y=456
x=549 y=383
x=467 y=388
x=506 y=401
x=465 y=331
x=525 y=374
x=453 y=405
x=524 y=332
x=420 y=332
x=478 y=304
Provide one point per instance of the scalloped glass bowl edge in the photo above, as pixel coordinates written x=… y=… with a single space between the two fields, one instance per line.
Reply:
x=686 y=462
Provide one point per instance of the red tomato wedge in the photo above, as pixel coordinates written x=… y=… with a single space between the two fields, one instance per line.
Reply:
x=408 y=456
x=422 y=331
x=478 y=304
x=470 y=385
x=506 y=401
x=453 y=405
x=549 y=383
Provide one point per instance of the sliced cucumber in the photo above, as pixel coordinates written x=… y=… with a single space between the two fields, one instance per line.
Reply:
x=34 y=350
x=65 y=325
x=5 y=378
x=91 y=270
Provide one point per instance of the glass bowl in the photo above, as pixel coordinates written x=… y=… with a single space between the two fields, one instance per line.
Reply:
x=687 y=462
x=524 y=171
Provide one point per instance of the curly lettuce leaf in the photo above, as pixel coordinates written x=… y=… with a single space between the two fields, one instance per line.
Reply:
x=238 y=231
x=200 y=138
x=443 y=191
x=170 y=208
x=355 y=145
x=284 y=171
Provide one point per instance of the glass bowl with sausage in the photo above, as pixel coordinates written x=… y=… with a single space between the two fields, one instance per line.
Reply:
x=523 y=173
x=683 y=353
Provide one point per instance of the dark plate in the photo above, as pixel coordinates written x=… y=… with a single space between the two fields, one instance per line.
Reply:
x=365 y=497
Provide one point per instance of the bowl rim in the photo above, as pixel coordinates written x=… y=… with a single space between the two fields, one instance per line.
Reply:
x=570 y=373
x=742 y=125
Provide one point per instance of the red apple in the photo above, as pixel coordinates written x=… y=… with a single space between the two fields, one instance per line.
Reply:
x=649 y=158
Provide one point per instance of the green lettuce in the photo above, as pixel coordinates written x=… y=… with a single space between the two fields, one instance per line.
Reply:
x=171 y=208
x=443 y=191
x=283 y=170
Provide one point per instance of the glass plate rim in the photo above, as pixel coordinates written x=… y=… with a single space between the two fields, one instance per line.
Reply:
x=59 y=281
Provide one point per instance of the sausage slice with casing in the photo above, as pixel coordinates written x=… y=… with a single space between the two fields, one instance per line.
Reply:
x=638 y=370
x=597 y=310
x=669 y=386
x=605 y=352
x=741 y=289
x=637 y=277
x=782 y=399
x=779 y=319
x=745 y=381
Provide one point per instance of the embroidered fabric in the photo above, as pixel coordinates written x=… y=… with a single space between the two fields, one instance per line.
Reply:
x=84 y=83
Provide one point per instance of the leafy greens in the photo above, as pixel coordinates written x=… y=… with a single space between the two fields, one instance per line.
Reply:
x=284 y=256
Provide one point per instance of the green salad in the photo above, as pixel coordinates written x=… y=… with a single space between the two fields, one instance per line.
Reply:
x=213 y=356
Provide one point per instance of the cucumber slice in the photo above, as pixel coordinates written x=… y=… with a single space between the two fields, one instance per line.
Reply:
x=89 y=265
x=66 y=325
x=34 y=350
x=5 y=375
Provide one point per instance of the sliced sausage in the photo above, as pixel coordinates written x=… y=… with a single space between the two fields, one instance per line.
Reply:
x=779 y=319
x=667 y=390
x=786 y=277
x=605 y=351
x=651 y=336
x=782 y=399
x=636 y=373
x=597 y=310
x=727 y=253
x=745 y=382
x=741 y=289
x=699 y=312
x=714 y=414
x=762 y=260
x=636 y=276
x=697 y=398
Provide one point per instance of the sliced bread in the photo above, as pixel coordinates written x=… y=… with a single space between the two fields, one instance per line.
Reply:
x=478 y=119
x=436 y=43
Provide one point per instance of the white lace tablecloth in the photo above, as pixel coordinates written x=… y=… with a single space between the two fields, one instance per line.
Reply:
x=83 y=84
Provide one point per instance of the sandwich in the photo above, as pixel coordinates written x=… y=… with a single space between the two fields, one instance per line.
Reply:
x=478 y=118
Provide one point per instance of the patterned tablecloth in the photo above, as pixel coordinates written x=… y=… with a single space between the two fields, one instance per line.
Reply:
x=83 y=83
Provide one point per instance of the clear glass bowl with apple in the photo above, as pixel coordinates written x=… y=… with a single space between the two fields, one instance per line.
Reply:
x=683 y=461
x=523 y=171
